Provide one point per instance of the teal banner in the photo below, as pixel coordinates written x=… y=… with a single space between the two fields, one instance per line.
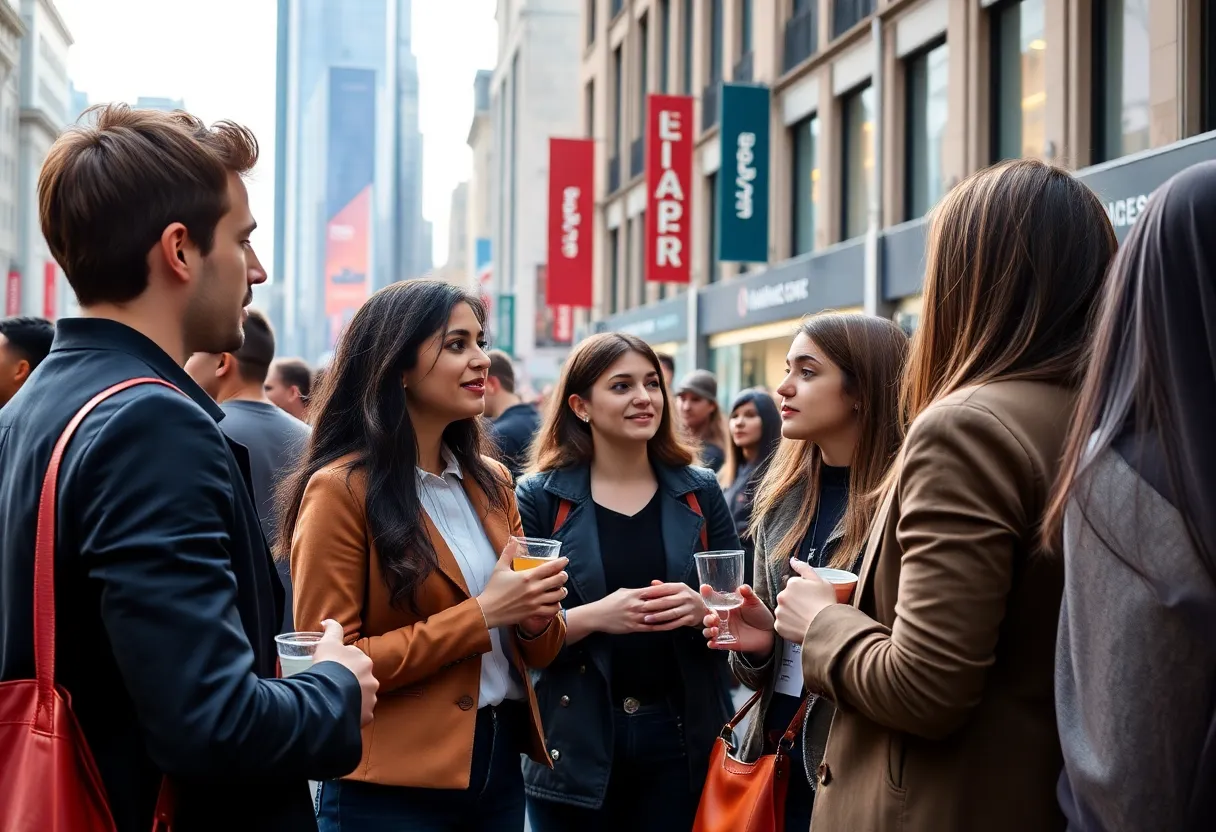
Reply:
x=743 y=175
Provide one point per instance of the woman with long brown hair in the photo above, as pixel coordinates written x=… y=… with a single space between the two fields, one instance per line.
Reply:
x=1136 y=656
x=941 y=669
x=841 y=431
x=701 y=419
x=633 y=702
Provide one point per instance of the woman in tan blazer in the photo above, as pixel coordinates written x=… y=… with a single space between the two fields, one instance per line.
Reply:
x=398 y=528
x=942 y=666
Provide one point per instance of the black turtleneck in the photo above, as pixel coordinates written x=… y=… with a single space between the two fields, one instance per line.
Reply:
x=833 y=498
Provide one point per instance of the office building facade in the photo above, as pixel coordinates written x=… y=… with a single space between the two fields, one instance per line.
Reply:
x=877 y=108
x=348 y=201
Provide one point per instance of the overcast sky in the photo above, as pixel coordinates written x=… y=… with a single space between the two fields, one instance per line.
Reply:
x=219 y=57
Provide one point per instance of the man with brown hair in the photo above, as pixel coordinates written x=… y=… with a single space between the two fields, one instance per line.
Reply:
x=167 y=601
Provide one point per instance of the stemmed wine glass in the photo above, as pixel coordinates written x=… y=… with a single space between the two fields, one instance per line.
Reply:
x=722 y=571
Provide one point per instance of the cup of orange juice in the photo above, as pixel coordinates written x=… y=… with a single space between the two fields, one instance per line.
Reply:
x=531 y=552
x=843 y=581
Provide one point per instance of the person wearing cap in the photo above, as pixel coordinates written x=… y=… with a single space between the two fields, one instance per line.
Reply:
x=701 y=418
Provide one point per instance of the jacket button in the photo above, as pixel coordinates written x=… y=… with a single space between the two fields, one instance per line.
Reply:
x=825 y=773
x=465 y=703
x=565 y=701
x=555 y=755
x=582 y=668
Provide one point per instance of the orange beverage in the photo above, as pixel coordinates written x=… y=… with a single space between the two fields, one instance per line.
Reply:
x=522 y=562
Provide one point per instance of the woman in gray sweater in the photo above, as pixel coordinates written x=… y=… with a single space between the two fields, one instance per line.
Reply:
x=1136 y=657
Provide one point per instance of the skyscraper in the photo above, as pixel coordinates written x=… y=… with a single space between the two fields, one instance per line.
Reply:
x=348 y=184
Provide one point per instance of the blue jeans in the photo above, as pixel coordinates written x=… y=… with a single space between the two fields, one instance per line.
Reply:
x=648 y=790
x=494 y=801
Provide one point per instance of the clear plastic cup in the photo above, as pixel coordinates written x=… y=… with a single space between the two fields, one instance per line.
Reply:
x=534 y=551
x=296 y=651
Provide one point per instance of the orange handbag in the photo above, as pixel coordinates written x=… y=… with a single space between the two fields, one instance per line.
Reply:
x=48 y=779
x=747 y=797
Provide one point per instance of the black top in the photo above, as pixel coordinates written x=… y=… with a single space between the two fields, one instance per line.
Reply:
x=833 y=498
x=166 y=599
x=643 y=664
x=274 y=441
x=514 y=430
x=740 y=496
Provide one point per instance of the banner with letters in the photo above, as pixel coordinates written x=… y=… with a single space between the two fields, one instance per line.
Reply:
x=743 y=176
x=669 y=145
x=571 y=220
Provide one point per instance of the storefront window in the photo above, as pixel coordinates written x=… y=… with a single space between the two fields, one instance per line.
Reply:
x=1020 y=83
x=806 y=184
x=1121 y=68
x=711 y=201
x=858 y=160
x=927 y=78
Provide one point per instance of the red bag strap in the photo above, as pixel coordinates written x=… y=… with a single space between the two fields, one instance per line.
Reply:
x=563 y=511
x=44 y=582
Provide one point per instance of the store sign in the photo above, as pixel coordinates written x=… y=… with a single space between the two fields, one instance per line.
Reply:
x=1125 y=185
x=669 y=143
x=571 y=215
x=772 y=297
x=656 y=324
x=504 y=334
x=12 y=293
x=50 y=289
x=563 y=324
x=743 y=209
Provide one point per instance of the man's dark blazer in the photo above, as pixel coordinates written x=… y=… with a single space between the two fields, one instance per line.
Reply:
x=167 y=601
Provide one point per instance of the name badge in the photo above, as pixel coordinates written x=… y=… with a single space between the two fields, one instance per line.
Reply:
x=789 y=680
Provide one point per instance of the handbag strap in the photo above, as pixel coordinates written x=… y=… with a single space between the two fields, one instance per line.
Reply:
x=564 y=506
x=44 y=584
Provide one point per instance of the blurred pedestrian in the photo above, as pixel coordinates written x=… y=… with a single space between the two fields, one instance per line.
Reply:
x=24 y=342
x=669 y=370
x=701 y=419
x=273 y=439
x=755 y=432
x=514 y=422
x=289 y=386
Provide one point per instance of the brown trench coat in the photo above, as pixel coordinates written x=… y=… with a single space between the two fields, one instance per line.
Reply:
x=942 y=669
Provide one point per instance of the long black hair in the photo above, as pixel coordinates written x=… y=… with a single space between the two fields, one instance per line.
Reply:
x=361 y=410
x=770 y=435
x=1151 y=389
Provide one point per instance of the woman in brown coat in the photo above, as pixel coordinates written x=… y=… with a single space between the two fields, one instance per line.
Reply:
x=941 y=669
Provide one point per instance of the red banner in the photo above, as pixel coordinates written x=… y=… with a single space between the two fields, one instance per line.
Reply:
x=571 y=215
x=669 y=140
x=50 y=289
x=12 y=294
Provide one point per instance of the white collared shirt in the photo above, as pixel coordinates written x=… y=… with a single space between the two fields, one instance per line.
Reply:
x=449 y=508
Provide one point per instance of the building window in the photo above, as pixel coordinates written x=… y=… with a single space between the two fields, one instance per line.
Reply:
x=713 y=273
x=590 y=22
x=745 y=26
x=664 y=43
x=1019 y=80
x=1208 y=21
x=806 y=185
x=689 y=24
x=614 y=271
x=589 y=105
x=618 y=114
x=927 y=76
x=643 y=70
x=628 y=302
x=715 y=40
x=1121 y=69
x=858 y=111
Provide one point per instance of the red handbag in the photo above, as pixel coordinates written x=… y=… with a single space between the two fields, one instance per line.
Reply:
x=48 y=780
x=746 y=797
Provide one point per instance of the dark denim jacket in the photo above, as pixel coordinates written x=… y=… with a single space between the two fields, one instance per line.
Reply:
x=580 y=731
